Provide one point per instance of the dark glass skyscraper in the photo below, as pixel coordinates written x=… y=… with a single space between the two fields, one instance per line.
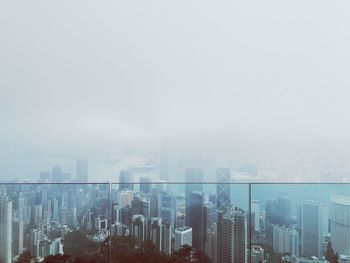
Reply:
x=196 y=219
x=194 y=179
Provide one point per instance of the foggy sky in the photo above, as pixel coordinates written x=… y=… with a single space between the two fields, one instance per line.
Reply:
x=86 y=70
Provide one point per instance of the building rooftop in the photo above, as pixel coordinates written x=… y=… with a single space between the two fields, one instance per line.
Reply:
x=341 y=200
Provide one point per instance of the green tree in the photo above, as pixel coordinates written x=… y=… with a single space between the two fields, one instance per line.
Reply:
x=77 y=245
x=188 y=254
x=57 y=259
x=330 y=255
x=25 y=257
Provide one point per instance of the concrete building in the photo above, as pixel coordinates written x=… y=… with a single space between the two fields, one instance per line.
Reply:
x=340 y=224
x=257 y=254
x=232 y=236
x=183 y=236
x=312 y=230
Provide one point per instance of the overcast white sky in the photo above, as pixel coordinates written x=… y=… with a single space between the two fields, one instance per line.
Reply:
x=90 y=69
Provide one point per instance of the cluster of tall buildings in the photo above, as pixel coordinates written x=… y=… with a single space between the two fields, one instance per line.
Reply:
x=183 y=214
x=304 y=236
x=36 y=218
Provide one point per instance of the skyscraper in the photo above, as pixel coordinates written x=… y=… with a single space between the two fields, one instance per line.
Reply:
x=223 y=188
x=154 y=203
x=138 y=229
x=285 y=240
x=196 y=219
x=311 y=227
x=255 y=216
x=211 y=243
x=18 y=236
x=168 y=216
x=194 y=179
x=340 y=224
x=209 y=219
x=155 y=229
x=126 y=180
x=82 y=170
x=145 y=184
x=284 y=209
x=5 y=229
x=257 y=254
x=278 y=212
x=232 y=236
x=183 y=236
x=141 y=206
x=166 y=238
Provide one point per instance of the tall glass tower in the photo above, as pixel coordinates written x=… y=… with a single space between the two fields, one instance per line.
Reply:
x=223 y=188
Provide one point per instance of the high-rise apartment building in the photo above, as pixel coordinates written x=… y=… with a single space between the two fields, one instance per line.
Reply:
x=232 y=236
x=278 y=212
x=255 y=215
x=17 y=236
x=166 y=238
x=5 y=229
x=211 y=243
x=138 y=229
x=155 y=232
x=285 y=240
x=209 y=219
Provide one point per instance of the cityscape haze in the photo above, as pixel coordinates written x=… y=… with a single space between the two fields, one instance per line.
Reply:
x=186 y=131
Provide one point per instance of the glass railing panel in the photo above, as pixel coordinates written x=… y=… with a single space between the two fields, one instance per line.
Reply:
x=176 y=220
x=300 y=222
x=56 y=221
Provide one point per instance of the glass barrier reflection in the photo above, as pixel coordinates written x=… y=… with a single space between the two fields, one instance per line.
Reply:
x=128 y=222
x=170 y=222
x=300 y=222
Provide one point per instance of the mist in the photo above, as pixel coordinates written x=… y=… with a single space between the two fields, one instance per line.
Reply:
x=235 y=80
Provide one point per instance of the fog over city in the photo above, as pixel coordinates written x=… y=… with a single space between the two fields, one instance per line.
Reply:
x=228 y=83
